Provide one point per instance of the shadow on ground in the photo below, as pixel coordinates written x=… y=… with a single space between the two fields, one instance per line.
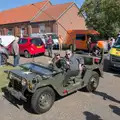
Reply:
x=15 y=102
x=106 y=96
x=91 y=116
x=26 y=105
x=115 y=109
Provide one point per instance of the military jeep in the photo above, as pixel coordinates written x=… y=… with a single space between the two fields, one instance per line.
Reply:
x=43 y=84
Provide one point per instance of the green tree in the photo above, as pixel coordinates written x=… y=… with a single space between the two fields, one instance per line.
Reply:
x=102 y=15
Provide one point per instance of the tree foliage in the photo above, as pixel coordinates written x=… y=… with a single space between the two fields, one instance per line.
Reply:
x=102 y=15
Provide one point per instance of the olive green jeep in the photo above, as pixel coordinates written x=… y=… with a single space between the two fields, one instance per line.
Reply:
x=43 y=84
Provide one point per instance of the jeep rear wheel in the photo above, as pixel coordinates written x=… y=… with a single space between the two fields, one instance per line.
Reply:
x=4 y=59
x=27 y=54
x=42 y=100
x=93 y=82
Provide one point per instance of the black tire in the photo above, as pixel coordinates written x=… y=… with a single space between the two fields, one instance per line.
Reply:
x=27 y=54
x=42 y=100
x=93 y=82
x=4 y=59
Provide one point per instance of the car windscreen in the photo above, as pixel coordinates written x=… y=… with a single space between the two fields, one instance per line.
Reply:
x=117 y=43
x=37 y=41
x=37 y=68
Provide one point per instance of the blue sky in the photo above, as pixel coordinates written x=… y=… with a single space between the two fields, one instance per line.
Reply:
x=7 y=4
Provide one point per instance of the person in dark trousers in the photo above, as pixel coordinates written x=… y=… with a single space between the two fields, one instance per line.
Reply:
x=89 y=44
x=0 y=52
x=74 y=66
x=15 y=48
x=50 y=46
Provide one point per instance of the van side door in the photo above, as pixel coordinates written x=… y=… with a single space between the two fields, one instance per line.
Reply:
x=81 y=41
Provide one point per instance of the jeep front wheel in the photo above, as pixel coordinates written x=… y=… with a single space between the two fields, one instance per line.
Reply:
x=42 y=100
x=93 y=82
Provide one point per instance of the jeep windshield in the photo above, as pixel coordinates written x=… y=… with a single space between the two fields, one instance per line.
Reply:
x=37 y=68
x=117 y=43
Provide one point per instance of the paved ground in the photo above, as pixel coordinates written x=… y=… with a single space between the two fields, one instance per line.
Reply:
x=104 y=104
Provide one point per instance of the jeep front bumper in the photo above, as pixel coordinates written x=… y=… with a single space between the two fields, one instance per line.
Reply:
x=17 y=94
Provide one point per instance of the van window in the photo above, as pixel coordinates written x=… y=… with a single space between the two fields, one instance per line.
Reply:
x=37 y=41
x=94 y=38
x=80 y=37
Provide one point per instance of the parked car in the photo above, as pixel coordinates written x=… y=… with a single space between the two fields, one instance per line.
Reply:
x=6 y=41
x=30 y=46
x=114 y=55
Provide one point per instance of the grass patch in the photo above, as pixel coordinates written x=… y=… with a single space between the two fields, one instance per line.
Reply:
x=3 y=76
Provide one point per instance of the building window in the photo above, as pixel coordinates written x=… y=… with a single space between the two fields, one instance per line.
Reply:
x=10 y=32
x=42 y=28
x=80 y=37
x=22 y=31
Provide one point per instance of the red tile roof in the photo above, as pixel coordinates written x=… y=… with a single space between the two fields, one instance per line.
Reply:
x=26 y=13
x=20 y=14
x=53 y=12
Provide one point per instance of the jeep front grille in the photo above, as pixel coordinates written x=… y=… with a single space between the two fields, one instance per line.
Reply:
x=16 y=82
x=17 y=85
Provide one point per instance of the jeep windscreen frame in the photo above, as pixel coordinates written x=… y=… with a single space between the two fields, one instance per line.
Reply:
x=37 y=68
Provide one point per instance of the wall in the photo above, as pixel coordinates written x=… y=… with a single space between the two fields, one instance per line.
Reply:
x=71 y=20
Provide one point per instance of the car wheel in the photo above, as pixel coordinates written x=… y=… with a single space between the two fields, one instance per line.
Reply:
x=93 y=82
x=27 y=54
x=42 y=100
x=4 y=59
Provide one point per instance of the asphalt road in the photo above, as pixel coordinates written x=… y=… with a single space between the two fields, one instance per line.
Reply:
x=104 y=104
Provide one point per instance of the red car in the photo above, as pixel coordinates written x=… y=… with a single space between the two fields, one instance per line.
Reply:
x=30 y=46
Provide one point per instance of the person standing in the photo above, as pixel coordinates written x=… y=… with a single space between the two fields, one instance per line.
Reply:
x=74 y=66
x=89 y=45
x=112 y=41
x=60 y=39
x=15 y=48
x=49 y=46
x=0 y=52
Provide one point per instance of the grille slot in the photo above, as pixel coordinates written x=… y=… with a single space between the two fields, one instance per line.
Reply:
x=17 y=85
x=115 y=59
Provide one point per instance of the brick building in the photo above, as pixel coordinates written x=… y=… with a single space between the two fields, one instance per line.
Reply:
x=41 y=17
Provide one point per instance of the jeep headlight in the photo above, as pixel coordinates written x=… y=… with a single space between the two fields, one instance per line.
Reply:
x=10 y=76
x=24 y=82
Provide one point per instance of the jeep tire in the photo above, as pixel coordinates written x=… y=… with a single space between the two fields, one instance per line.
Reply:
x=42 y=100
x=93 y=82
